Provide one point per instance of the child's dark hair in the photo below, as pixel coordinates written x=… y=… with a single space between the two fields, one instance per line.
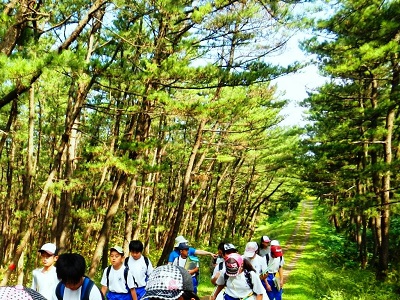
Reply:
x=136 y=246
x=221 y=246
x=70 y=268
x=247 y=265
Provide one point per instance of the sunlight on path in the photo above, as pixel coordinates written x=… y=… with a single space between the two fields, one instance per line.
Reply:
x=298 y=240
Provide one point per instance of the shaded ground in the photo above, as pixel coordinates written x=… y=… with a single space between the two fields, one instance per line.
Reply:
x=298 y=239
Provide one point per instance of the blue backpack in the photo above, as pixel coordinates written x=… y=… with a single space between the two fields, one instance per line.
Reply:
x=87 y=286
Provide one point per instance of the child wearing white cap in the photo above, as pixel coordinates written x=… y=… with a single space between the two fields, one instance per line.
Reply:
x=117 y=278
x=44 y=280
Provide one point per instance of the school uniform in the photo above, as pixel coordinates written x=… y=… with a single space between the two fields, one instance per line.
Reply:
x=45 y=282
x=219 y=268
x=140 y=272
x=118 y=288
x=69 y=294
x=264 y=251
x=259 y=264
x=176 y=253
x=189 y=264
x=273 y=268
x=237 y=287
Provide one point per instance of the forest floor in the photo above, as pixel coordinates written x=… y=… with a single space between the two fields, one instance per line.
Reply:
x=297 y=241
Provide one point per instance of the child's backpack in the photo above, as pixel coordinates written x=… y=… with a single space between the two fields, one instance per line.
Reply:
x=87 y=286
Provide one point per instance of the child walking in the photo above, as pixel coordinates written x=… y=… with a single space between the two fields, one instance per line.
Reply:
x=44 y=280
x=190 y=263
x=74 y=285
x=117 y=279
x=240 y=280
x=139 y=265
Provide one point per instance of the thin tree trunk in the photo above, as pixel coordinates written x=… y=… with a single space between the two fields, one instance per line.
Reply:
x=105 y=230
x=174 y=230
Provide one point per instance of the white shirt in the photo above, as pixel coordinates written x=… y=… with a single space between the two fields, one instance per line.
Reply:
x=179 y=261
x=237 y=286
x=274 y=264
x=116 y=279
x=45 y=282
x=264 y=251
x=217 y=270
x=139 y=270
x=259 y=264
x=95 y=294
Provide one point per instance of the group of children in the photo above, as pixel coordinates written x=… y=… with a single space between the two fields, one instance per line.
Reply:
x=252 y=275
x=258 y=273
x=63 y=276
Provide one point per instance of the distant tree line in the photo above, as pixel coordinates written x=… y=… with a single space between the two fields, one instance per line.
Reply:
x=352 y=149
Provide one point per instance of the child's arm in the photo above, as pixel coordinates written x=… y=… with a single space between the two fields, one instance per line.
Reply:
x=104 y=290
x=259 y=297
x=280 y=271
x=193 y=271
x=133 y=293
x=217 y=290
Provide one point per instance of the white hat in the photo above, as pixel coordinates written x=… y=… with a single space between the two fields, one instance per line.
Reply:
x=251 y=248
x=48 y=248
x=118 y=249
x=180 y=239
x=274 y=243
x=265 y=239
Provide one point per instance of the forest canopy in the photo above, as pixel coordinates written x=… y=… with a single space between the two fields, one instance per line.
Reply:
x=139 y=119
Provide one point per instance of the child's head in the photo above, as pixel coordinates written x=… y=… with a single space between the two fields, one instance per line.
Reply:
x=136 y=249
x=233 y=264
x=251 y=249
x=228 y=249
x=116 y=256
x=265 y=242
x=221 y=248
x=48 y=253
x=179 y=239
x=276 y=249
x=70 y=268
x=184 y=249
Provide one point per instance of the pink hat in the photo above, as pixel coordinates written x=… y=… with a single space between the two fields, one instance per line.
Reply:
x=233 y=262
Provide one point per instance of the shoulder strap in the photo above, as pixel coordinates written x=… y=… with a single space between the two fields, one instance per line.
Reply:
x=126 y=275
x=267 y=258
x=86 y=288
x=60 y=290
x=220 y=266
x=146 y=260
x=126 y=261
x=248 y=278
x=108 y=275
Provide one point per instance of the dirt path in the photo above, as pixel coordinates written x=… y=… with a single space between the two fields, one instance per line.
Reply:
x=298 y=239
